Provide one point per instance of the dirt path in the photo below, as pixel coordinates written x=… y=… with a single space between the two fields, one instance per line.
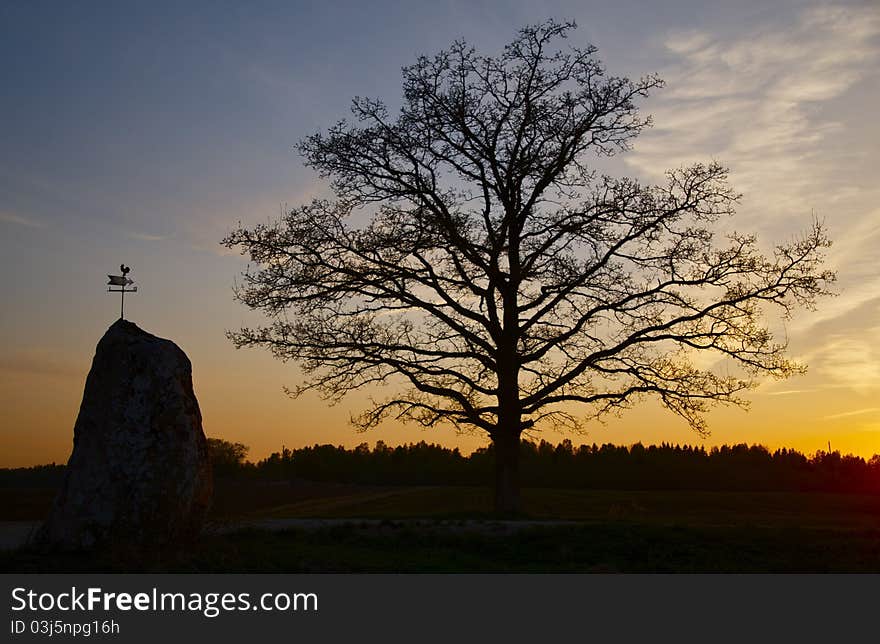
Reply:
x=482 y=526
x=14 y=534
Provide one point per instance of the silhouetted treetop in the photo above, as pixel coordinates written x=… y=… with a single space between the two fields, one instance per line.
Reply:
x=512 y=126
x=226 y=456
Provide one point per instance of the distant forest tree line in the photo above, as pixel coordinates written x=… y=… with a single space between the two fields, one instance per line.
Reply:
x=735 y=468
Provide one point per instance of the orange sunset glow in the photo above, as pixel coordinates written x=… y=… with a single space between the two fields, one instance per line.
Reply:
x=146 y=139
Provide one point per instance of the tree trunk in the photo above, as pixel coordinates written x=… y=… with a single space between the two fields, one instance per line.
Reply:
x=508 y=500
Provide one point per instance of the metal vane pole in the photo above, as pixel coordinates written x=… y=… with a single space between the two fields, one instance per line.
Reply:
x=121 y=281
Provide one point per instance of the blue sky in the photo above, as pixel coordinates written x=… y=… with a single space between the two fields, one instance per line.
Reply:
x=142 y=132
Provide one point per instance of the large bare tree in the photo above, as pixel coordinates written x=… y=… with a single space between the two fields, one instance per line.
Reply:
x=474 y=263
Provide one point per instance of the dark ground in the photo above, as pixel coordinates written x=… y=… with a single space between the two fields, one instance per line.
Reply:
x=451 y=529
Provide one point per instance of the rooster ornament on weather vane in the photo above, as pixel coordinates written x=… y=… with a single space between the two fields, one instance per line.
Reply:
x=121 y=281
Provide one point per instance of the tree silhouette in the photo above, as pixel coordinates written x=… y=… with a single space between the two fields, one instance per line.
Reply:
x=473 y=260
x=226 y=457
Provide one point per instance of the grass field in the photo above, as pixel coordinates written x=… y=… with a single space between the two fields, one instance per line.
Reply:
x=838 y=511
x=451 y=529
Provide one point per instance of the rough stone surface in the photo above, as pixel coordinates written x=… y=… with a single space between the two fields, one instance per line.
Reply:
x=139 y=473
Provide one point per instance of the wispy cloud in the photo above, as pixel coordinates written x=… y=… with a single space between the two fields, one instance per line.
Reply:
x=40 y=361
x=145 y=237
x=752 y=101
x=18 y=220
x=857 y=412
x=771 y=103
x=851 y=361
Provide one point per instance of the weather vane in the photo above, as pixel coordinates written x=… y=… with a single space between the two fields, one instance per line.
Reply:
x=121 y=281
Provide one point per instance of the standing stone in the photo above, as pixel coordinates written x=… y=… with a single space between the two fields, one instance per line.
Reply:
x=139 y=474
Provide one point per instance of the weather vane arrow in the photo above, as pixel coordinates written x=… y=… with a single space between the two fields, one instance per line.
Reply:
x=121 y=281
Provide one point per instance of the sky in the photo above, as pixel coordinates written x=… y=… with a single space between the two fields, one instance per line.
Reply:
x=144 y=132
